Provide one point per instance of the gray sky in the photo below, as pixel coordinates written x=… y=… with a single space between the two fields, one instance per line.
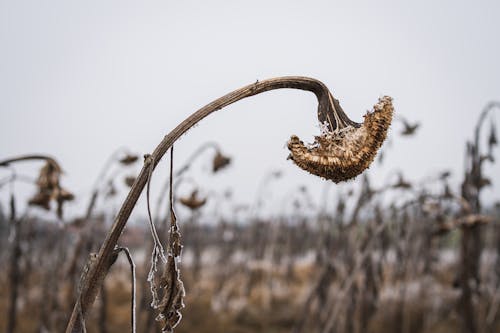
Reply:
x=79 y=80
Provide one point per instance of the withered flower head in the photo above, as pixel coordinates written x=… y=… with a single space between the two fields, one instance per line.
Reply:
x=220 y=161
x=129 y=159
x=48 y=179
x=345 y=150
x=49 y=188
x=193 y=202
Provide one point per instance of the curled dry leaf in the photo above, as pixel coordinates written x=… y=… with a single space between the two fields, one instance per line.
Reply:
x=342 y=153
x=170 y=284
x=173 y=297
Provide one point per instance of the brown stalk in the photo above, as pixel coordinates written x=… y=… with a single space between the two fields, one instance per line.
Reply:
x=328 y=111
x=471 y=242
x=22 y=158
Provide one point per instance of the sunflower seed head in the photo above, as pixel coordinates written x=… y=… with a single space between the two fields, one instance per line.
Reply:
x=345 y=153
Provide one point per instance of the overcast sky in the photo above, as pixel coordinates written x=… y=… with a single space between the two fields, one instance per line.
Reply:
x=80 y=79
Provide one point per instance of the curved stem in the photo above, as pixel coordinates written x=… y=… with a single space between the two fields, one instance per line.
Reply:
x=23 y=158
x=328 y=110
x=101 y=178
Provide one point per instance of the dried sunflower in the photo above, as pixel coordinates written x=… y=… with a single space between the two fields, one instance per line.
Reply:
x=345 y=148
x=193 y=202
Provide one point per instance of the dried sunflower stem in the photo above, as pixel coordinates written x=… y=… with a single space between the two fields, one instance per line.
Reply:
x=22 y=158
x=98 y=271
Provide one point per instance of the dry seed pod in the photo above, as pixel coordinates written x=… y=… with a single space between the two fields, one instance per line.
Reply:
x=193 y=202
x=220 y=161
x=346 y=151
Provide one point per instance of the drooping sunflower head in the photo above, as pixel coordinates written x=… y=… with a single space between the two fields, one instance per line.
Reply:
x=344 y=149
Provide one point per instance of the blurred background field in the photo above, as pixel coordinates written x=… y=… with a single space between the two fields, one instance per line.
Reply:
x=412 y=245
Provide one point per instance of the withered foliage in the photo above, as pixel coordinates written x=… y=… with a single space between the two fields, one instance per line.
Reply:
x=343 y=153
x=49 y=189
x=169 y=287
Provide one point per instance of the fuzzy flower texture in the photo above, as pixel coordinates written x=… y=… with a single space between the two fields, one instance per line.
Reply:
x=345 y=152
